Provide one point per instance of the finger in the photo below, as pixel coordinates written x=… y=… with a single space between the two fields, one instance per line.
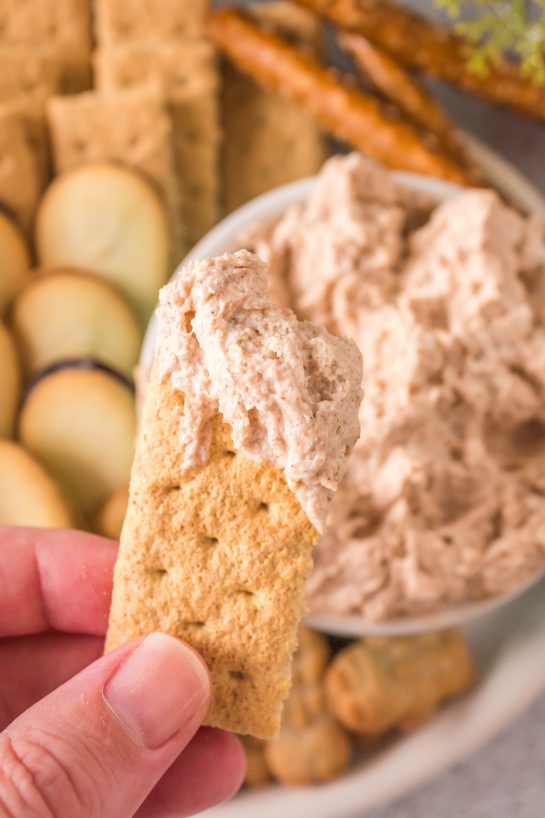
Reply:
x=33 y=666
x=52 y=579
x=97 y=746
x=214 y=763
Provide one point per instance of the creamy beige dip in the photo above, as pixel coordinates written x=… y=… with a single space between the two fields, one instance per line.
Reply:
x=444 y=499
x=289 y=390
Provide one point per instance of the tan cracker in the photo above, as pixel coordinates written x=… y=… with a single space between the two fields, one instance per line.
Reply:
x=217 y=555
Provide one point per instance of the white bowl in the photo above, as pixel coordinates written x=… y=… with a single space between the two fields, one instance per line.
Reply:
x=225 y=238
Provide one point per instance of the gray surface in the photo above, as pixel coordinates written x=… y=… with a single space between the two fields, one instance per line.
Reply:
x=503 y=780
x=506 y=778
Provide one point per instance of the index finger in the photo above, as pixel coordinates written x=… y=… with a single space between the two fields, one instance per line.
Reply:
x=52 y=579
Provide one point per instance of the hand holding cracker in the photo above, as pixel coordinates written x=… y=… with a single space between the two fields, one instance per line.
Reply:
x=378 y=684
x=249 y=419
x=90 y=736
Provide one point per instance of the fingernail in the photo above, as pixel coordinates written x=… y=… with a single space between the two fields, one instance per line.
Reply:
x=161 y=688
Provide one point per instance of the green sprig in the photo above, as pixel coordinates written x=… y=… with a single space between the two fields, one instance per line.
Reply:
x=497 y=27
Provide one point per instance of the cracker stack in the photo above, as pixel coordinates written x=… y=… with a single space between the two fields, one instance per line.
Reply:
x=146 y=45
x=268 y=141
x=44 y=49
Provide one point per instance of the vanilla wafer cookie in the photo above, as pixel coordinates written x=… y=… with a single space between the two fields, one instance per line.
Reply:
x=267 y=140
x=249 y=418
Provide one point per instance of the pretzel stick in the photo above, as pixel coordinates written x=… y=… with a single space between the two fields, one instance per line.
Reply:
x=344 y=111
x=420 y=43
x=395 y=82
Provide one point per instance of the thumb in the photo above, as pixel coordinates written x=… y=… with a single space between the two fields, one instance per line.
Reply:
x=97 y=746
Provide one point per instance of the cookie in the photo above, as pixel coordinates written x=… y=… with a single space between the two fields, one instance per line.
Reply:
x=64 y=25
x=14 y=261
x=20 y=172
x=28 y=77
x=173 y=66
x=79 y=421
x=10 y=383
x=109 y=520
x=267 y=140
x=257 y=772
x=312 y=747
x=121 y=21
x=81 y=132
x=107 y=218
x=70 y=313
x=31 y=113
x=378 y=684
x=186 y=73
x=246 y=552
x=28 y=494
x=28 y=72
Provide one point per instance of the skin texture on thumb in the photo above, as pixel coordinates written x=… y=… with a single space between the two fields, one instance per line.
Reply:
x=98 y=746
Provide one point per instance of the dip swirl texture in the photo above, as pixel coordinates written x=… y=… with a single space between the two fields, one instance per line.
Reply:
x=444 y=498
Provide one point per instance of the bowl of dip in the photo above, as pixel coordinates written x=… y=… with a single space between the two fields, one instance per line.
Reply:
x=441 y=518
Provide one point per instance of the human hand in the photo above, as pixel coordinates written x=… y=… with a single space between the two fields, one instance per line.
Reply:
x=92 y=736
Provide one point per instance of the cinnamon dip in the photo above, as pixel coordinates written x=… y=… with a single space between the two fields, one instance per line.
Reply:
x=289 y=390
x=444 y=498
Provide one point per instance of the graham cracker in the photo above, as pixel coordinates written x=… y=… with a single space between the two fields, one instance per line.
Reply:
x=196 y=156
x=217 y=555
x=28 y=77
x=64 y=25
x=31 y=113
x=20 y=183
x=28 y=72
x=187 y=75
x=121 y=21
x=82 y=130
x=267 y=140
x=174 y=66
